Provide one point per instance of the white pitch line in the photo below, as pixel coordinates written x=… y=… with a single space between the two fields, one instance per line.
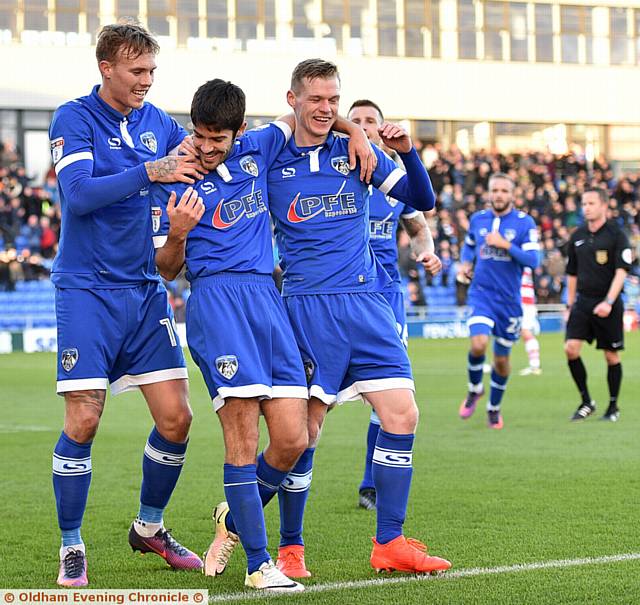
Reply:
x=452 y=575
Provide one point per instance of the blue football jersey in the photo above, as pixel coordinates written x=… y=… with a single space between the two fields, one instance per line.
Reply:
x=321 y=218
x=105 y=238
x=497 y=274
x=384 y=216
x=234 y=233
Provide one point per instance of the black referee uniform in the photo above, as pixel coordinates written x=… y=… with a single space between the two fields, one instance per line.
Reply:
x=593 y=259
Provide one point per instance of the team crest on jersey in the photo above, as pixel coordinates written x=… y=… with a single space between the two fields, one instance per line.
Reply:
x=156 y=215
x=68 y=359
x=341 y=164
x=227 y=365
x=57 y=149
x=509 y=234
x=248 y=164
x=602 y=256
x=149 y=141
x=309 y=368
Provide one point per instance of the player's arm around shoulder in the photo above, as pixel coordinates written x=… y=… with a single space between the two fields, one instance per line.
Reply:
x=412 y=185
x=182 y=217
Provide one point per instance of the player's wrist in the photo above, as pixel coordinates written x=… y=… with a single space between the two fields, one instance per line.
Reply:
x=610 y=301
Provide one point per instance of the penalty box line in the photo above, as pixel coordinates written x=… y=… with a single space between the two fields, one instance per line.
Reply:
x=451 y=575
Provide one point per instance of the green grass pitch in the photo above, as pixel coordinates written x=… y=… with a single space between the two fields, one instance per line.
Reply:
x=542 y=489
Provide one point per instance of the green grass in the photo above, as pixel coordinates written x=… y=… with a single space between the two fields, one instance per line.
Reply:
x=541 y=489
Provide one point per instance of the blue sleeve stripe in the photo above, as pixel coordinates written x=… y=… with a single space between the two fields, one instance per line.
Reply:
x=389 y=183
x=409 y=212
x=286 y=131
x=74 y=157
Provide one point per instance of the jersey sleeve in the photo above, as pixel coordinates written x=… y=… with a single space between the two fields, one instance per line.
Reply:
x=72 y=149
x=572 y=259
x=468 y=252
x=271 y=139
x=70 y=138
x=409 y=212
x=623 y=256
x=411 y=186
x=525 y=249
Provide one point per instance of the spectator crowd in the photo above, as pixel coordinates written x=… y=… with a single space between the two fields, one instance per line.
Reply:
x=548 y=187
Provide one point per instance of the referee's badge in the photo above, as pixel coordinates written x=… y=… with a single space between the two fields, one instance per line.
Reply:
x=227 y=365
x=602 y=256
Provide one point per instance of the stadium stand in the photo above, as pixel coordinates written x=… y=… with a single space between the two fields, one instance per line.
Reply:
x=548 y=187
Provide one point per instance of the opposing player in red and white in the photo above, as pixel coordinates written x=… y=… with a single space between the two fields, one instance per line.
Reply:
x=530 y=324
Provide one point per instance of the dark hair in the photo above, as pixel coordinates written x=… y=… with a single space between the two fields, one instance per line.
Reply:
x=502 y=175
x=128 y=38
x=218 y=105
x=310 y=70
x=602 y=193
x=366 y=103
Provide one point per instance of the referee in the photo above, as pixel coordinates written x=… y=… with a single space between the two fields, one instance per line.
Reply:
x=599 y=259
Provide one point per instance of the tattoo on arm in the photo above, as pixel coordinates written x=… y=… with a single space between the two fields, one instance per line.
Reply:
x=161 y=168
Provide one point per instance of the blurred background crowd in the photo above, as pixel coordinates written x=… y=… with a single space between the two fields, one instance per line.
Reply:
x=549 y=188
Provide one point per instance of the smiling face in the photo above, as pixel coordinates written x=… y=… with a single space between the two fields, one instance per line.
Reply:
x=316 y=108
x=213 y=146
x=369 y=120
x=126 y=81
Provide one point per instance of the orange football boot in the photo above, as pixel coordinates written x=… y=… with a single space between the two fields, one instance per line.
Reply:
x=405 y=554
x=291 y=561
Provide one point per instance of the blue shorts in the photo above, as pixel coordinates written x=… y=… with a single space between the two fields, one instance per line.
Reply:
x=396 y=302
x=349 y=345
x=240 y=337
x=124 y=337
x=501 y=320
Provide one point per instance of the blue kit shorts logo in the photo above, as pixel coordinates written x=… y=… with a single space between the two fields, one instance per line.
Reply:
x=227 y=365
x=68 y=359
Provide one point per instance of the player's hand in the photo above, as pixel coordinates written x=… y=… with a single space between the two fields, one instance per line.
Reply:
x=186 y=214
x=495 y=239
x=360 y=149
x=431 y=263
x=465 y=274
x=174 y=169
x=187 y=147
x=395 y=137
x=602 y=309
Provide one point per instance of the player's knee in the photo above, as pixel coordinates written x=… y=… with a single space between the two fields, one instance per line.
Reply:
x=175 y=427
x=612 y=357
x=82 y=426
x=502 y=365
x=571 y=350
x=289 y=452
